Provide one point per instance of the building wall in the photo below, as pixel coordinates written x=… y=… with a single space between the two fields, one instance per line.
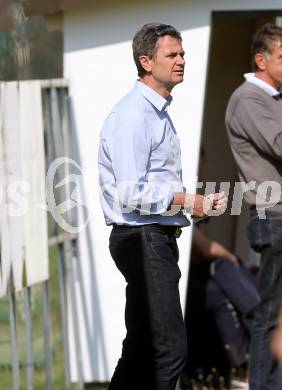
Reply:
x=98 y=62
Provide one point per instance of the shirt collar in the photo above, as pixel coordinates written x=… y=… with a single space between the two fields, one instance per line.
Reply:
x=251 y=78
x=153 y=97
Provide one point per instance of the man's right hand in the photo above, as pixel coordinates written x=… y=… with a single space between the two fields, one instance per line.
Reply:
x=201 y=206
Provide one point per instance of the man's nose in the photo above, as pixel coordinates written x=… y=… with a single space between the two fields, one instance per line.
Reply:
x=180 y=60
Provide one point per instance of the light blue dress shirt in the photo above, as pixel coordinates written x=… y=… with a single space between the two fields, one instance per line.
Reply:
x=140 y=162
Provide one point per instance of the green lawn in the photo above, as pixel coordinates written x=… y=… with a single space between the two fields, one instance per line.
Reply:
x=38 y=337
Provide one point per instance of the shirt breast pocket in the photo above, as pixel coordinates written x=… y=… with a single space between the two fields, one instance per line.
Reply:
x=166 y=147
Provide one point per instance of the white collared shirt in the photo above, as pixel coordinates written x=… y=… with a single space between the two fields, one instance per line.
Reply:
x=251 y=78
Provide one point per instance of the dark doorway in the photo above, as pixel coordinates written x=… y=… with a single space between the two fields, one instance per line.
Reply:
x=229 y=59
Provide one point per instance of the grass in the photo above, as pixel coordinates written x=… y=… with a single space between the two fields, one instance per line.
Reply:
x=38 y=335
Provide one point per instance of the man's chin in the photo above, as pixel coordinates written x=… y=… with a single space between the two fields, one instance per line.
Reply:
x=179 y=80
x=174 y=82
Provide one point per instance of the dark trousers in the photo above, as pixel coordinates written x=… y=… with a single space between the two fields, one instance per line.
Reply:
x=265 y=236
x=154 y=349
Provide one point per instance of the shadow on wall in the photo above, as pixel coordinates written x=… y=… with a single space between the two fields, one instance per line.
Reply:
x=108 y=29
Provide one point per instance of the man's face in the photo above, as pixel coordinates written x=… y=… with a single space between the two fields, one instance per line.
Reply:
x=271 y=66
x=167 y=64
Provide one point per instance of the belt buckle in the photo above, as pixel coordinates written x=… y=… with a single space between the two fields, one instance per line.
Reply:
x=177 y=232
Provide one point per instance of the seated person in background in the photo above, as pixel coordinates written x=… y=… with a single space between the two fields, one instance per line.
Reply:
x=277 y=339
x=206 y=249
x=217 y=315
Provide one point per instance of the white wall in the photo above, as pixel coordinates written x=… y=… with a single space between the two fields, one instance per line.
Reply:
x=99 y=65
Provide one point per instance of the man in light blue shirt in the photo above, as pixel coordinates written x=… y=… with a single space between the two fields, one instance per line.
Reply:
x=140 y=166
x=143 y=197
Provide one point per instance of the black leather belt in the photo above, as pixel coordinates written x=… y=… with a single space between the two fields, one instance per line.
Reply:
x=171 y=231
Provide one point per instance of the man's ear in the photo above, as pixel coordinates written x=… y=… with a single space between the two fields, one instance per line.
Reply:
x=146 y=63
x=260 y=61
